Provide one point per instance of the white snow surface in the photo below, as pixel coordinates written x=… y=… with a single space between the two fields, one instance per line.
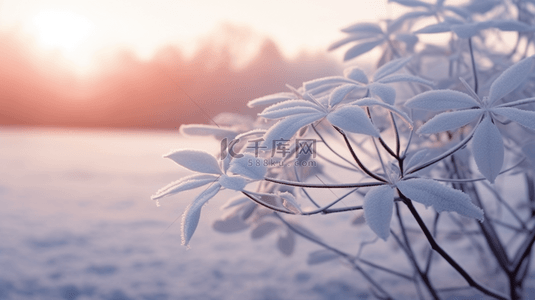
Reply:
x=77 y=222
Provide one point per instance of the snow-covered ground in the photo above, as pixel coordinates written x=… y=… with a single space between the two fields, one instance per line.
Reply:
x=77 y=222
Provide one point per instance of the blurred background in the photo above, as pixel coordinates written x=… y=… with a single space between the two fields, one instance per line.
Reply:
x=132 y=64
x=91 y=96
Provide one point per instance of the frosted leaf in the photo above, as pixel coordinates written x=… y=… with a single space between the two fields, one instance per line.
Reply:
x=184 y=184
x=372 y=102
x=263 y=229
x=363 y=27
x=466 y=31
x=439 y=100
x=195 y=160
x=449 y=121
x=230 y=225
x=235 y=201
x=529 y=151
x=288 y=201
x=361 y=48
x=417 y=158
x=523 y=117
x=352 y=119
x=191 y=216
x=390 y=67
x=286 y=128
x=356 y=74
x=384 y=92
x=408 y=38
x=412 y=3
x=405 y=77
x=339 y=94
x=351 y=38
x=481 y=7
x=232 y=182
x=271 y=99
x=459 y=11
x=273 y=201
x=312 y=84
x=397 y=23
x=289 y=104
x=435 y=28
x=206 y=130
x=378 y=207
x=510 y=79
x=487 y=148
x=286 y=243
x=440 y=197
x=282 y=113
x=510 y=25
x=321 y=256
x=246 y=166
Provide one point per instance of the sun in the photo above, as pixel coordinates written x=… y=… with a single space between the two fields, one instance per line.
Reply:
x=64 y=30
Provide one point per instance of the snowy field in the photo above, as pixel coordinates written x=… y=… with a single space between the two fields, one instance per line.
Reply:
x=77 y=222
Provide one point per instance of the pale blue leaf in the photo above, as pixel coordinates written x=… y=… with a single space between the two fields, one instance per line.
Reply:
x=184 y=184
x=435 y=28
x=384 y=92
x=340 y=93
x=263 y=229
x=361 y=48
x=440 y=197
x=363 y=27
x=282 y=113
x=397 y=23
x=405 y=77
x=232 y=182
x=271 y=99
x=378 y=207
x=286 y=243
x=481 y=7
x=511 y=25
x=321 y=256
x=289 y=104
x=523 y=117
x=207 y=130
x=312 y=84
x=288 y=201
x=287 y=127
x=247 y=166
x=390 y=67
x=408 y=38
x=466 y=31
x=417 y=158
x=232 y=224
x=351 y=38
x=356 y=74
x=449 y=121
x=487 y=148
x=352 y=119
x=191 y=216
x=510 y=79
x=458 y=11
x=195 y=160
x=440 y=100
x=372 y=102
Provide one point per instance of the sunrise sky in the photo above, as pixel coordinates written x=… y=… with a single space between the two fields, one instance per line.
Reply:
x=81 y=29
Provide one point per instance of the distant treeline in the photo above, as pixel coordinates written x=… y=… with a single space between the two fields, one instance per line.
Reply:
x=127 y=92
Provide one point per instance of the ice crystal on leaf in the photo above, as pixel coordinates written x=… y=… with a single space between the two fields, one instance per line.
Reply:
x=487 y=142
